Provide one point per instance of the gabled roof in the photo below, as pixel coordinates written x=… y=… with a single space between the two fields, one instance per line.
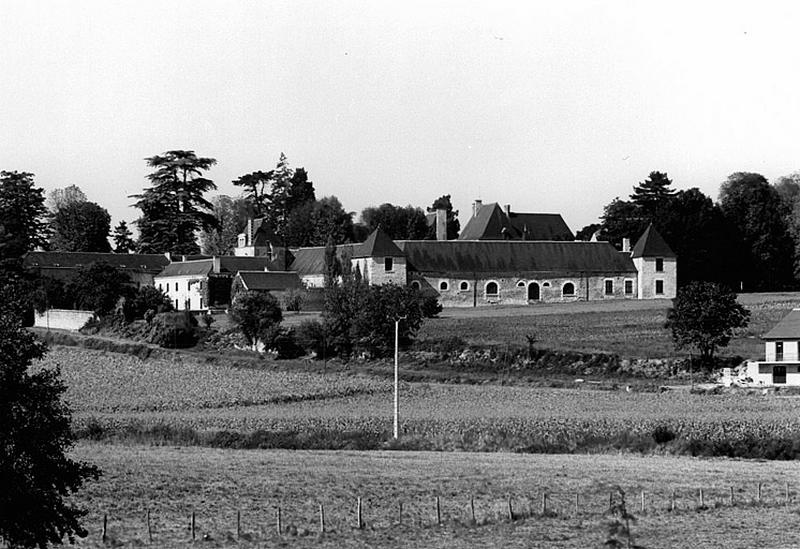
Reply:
x=198 y=267
x=491 y=223
x=377 y=244
x=652 y=244
x=72 y=260
x=308 y=261
x=226 y=264
x=269 y=280
x=510 y=257
x=787 y=328
x=233 y=263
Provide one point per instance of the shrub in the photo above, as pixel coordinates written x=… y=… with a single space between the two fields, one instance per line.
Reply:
x=208 y=320
x=146 y=298
x=256 y=314
x=98 y=287
x=311 y=336
x=285 y=344
x=294 y=300
x=430 y=306
x=174 y=330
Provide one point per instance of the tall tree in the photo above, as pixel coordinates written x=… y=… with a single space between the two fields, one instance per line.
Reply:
x=652 y=192
x=331 y=221
x=22 y=213
x=232 y=215
x=256 y=190
x=58 y=198
x=174 y=208
x=80 y=227
x=123 y=241
x=453 y=225
x=36 y=435
x=754 y=207
x=622 y=219
x=400 y=223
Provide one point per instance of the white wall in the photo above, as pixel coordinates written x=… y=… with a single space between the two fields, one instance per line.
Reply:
x=62 y=319
x=182 y=288
x=647 y=277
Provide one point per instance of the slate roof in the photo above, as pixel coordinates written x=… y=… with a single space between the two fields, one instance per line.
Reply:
x=233 y=264
x=651 y=244
x=377 y=244
x=275 y=280
x=227 y=264
x=308 y=261
x=198 y=267
x=511 y=257
x=787 y=328
x=492 y=223
x=71 y=260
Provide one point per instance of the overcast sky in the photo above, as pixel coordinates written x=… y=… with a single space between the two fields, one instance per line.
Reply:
x=550 y=106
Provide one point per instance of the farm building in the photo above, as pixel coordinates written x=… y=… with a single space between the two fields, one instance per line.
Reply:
x=781 y=364
x=141 y=268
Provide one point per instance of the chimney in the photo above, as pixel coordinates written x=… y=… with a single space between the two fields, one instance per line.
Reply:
x=217 y=263
x=508 y=211
x=441 y=224
x=476 y=206
x=626 y=245
x=249 y=232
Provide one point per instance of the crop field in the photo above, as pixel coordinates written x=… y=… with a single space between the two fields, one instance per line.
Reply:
x=627 y=328
x=172 y=483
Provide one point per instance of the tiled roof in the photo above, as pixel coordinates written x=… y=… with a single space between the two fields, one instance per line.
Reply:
x=308 y=261
x=787 y=328
x=492 y=223
x=508 y=257
x=274 y=280
x=198 y=267
x=377 y=244
x=71 y=260
x=541 y=226
x=651 y=244
x=233 y=264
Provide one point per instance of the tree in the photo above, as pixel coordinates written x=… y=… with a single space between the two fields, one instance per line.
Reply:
x=80 y=227
x=98 y=287
x=174 y=209
x=704 y=317
x=147 y=298
x=652 y=193
x=256 y=185
x=257 y=314
x=329 y=220
x=35 y=436
x=22 y=213
x=622 y=219
x=754 y=207
x=59 y=198
x=400 y=223
x=231 y=215
x=123 y=243
x=588 y=231
x=374 y=321
x=453 y=225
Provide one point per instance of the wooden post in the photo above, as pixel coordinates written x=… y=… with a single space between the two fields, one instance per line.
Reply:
x=510 y=511
x=672 y=500
x=702 y=501
x=438 y=512
x=238 y=524
x=759 y=492
x=149 y=529
x=359 y=523
x=321 y=519
x=577 y=505
x=642 y=501
x=472 y=509
x=786 y=493
x=105 y=526
x=400 y=513
x=610 y=500
x=278 y=525
x=731 y=496
x=193 y=526
x=544 y=503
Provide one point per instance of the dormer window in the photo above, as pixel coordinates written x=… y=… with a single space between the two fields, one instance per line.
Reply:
x=388 y=264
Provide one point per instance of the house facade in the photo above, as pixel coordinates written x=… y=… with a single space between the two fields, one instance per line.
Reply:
x=781 y=364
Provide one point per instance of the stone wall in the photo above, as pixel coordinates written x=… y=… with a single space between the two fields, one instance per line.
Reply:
x=62 y=319
x=649 y=277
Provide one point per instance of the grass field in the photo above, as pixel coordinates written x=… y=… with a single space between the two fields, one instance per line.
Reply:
x=215 y=484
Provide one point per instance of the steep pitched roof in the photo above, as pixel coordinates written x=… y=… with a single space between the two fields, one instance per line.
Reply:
x=233 y=264
x=652 y=244
x=308 y=261
x=71 y=260
x=269 y=280
x=787 y=328
x=491 y=223
x=198 y=267
x=377 y=244
x=501 y=258
x=227 y=264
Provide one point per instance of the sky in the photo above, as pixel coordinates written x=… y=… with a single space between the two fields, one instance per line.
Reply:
x=547 y=106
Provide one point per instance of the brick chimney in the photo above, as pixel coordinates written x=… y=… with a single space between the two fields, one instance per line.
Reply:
x=626 y=245
x=441 y=224
x=476 y=206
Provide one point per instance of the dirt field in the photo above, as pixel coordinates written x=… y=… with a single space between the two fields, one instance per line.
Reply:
x=215 y=484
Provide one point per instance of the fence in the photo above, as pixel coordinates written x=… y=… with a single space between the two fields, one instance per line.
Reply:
x=308 y=517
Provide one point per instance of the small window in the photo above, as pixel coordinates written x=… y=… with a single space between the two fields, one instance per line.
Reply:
x=416 y=285
x=568 y=289
x=779 y=375
x=609 y=287
x=659 y=287
x=659 y=264
x=546 y=285
x=521 y=284
x=444 y=285
x=492 y=289
x=202 y=304
x=629 y=287
x=463 y=286
x=388 y=264
x=176 y=286
x=779 y=351
x=176 y=304
x=159 y=286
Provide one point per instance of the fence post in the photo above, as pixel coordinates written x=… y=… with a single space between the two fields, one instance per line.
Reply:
x=759 y=492
x=321 y=519
x=544 y=503
x=149 y=530
x=472 y=508
x=105 y=525
x=438 y=512
x=510 y=511
x=359 y=523
x=192 y=526
x=642 y=501
x=702 y=501
x=238 y=524
x=400 y=513
x=278 y=525
x=577 y=504
x=610 y=501
x=672 y=500
x=787 y=493
x=731 y=496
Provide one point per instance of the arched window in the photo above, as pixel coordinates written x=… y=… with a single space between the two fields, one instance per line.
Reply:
x=568 y=289
x=521 y=284
x=463 y=286
x=492 y=289
x=415 y=284
x=444 y=285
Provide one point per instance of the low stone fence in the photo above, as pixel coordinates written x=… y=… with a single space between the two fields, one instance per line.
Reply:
x=62 y=319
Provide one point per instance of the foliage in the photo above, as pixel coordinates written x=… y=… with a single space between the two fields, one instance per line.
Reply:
x=652 y=193
x=173 y=208
x=36 y=434
x=256 y=314
x=231 y=215
x=430 y=306
x=98 y=287
x=343 y=301
x=145 y=299
x=453 y=225
x=19 y=292
x=293 y=300
x=587 y=232
x=375 y=321
x=123 y=241
x=400 y=223
x=80 y=227
x=619 y=528
x=207 y=319
x=285 y=345
x=60 y=198
x=704 y=316
x=173 y=330
x=22 y=213
x=311 y=336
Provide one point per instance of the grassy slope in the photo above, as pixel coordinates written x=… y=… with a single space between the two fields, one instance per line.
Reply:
x=173 y=482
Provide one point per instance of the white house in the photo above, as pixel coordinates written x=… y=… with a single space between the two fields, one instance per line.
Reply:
x=781 y=364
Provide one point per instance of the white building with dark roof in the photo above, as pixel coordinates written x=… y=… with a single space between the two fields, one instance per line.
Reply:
x=781 y=364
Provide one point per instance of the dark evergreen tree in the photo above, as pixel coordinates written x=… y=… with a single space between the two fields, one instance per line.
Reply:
x=123 y=241
x=257 y=186
x=98 y=287
x=22 y=214
x=653 y=192
x=588 y=231
x=400 y=223
x=80 y=227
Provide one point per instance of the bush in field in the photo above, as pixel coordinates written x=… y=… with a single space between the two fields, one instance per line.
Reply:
x=311 y=336
x=294 y=300
x=173 y=330
x=257 y=314
x=704 y=316
x=284 y=343
x=430 y=306
x=146 y=298
x=375 y=322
